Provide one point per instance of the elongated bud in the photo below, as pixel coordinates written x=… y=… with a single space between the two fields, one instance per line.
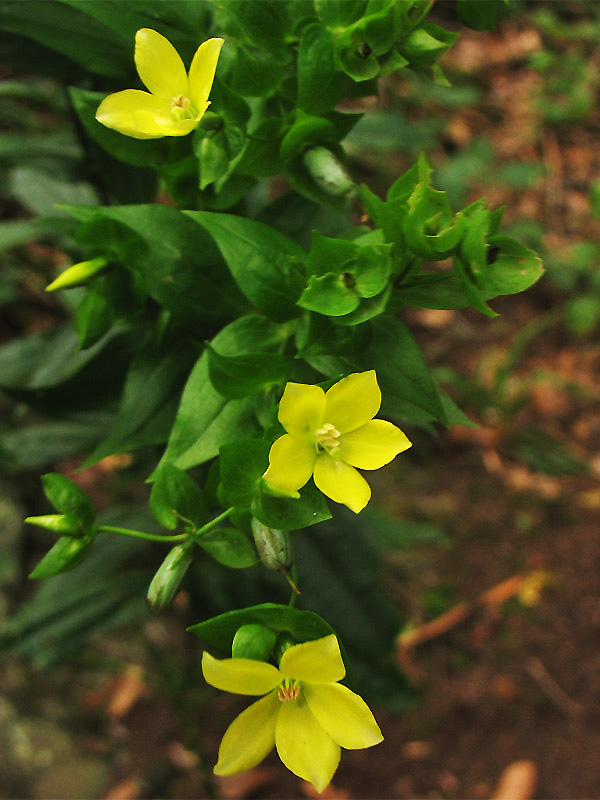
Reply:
x=253 y=641
x=327 y=171
x=274 y=547
x=166 y=582
x=57 y=523
x=78 y=274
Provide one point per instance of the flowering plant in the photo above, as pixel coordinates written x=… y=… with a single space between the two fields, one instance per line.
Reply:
x=237 y=339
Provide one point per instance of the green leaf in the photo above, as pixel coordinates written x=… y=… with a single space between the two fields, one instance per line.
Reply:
x=175 y=497
x=69 y=498
x=480 y=16
x=260 y=260
x=173 y=259
x=67 y=553
x=303 y=626
x=229 y=547
x=426 y=44
x=148 y=402
x=206 y=420
x=288 y=514
x=70 y=32
x=93 y=316
x=239 y=376
x=408 y=389
x=330 y=294
x=339 y=13
x=513 y=266
x=321 y=85
x=242 y=464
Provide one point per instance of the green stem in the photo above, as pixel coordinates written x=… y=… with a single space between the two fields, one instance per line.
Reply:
x=150 y=537
x=213 y=523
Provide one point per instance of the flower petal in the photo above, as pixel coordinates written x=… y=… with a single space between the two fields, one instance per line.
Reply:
x=303 y=745
x=318 y=661
x=159 y=65
x=141 y=115
x=202 y=73
x=343 y=715
x=249 y=738
x=291 y=463
x=372 y=445
x=301 y=409
x=341 y=483
x=240 y=675
x=353 y=401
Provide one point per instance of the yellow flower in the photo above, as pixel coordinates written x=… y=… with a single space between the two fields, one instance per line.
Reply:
x=328 y=435
x=175 y=102
x=306 y=713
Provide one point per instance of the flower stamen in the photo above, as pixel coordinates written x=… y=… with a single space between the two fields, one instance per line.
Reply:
x=288 y=692
x=327 y=437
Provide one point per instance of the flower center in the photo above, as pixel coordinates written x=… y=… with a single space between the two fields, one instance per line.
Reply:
x=181 y=108
x=327 y=438
x=289 y=691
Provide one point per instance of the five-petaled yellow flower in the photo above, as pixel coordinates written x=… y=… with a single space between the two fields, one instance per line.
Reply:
x=306 y=713
x=175 y=101
x=328 y=435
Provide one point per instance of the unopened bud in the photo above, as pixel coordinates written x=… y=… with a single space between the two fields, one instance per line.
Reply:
x=327 y=171
x=57 y=523
x=253 y=641
x=166 y=582
x=274 y=547
x=78 y=274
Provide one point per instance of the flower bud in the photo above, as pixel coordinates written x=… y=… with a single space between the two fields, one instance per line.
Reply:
x=274 y=547
x=253 y=641
x=166 y=582
x=57 y=523
x=78 y=274
x=327 y=171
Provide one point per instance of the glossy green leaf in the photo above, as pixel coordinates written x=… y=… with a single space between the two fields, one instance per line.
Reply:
x=218 y=632
x=512 y=268
x=321 y=85
x=481 y=16
x=330 y=294
x=260 y=260
x=245 y=374
x=149 y=399
x=177 y=498
x=205 y=420
x=93 y=317
x=229 y=547
x=288 y=514
x=242 y=464
x=67 y=553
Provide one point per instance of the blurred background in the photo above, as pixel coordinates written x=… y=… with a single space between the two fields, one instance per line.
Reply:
x=487 y=539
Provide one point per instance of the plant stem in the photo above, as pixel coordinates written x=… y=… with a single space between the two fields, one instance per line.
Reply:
x=213 y=523
x=151 y=537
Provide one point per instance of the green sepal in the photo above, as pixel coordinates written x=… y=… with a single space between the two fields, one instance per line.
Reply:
x=253 y=641
x=68 y=498
x=167 y=579
x=426 y=44
x=175 y=497
x=68 y=552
